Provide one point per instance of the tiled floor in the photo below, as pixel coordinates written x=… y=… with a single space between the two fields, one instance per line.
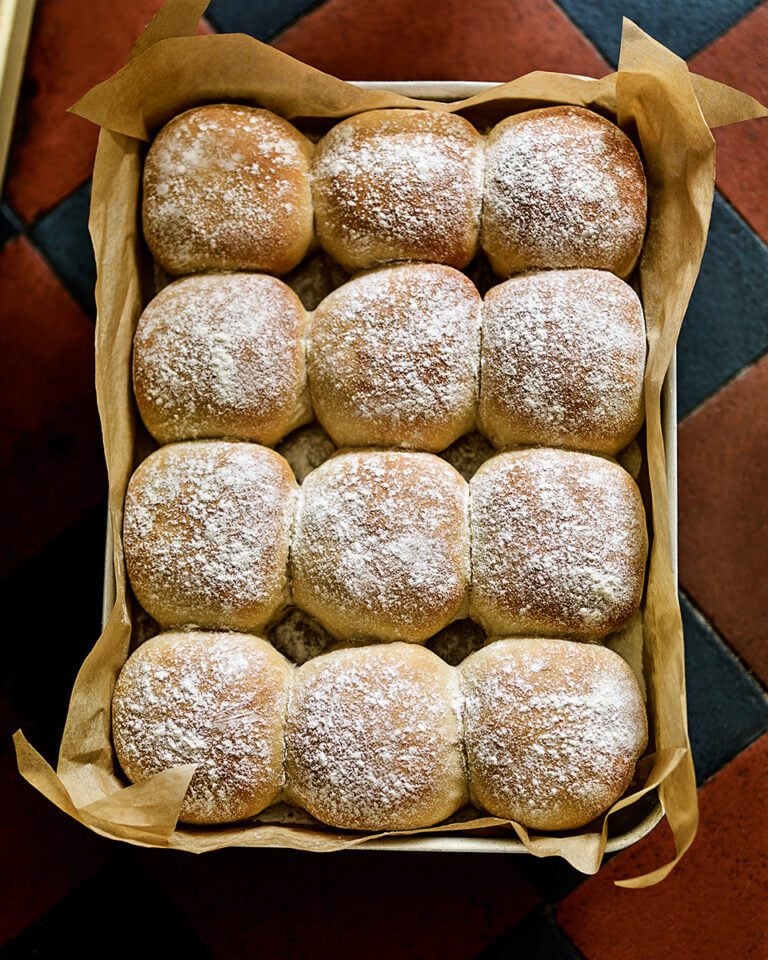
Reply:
x=61 y=886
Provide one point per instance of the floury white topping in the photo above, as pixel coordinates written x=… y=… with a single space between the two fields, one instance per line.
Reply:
x=213 y=699
x=552 y=730
x=381 y=548
x=206 y=531
x=373 y=738
x=399 y=185
x=558 y=544
x=563 y=358
x=221 y=355
x=394 y=356
x=563 y=188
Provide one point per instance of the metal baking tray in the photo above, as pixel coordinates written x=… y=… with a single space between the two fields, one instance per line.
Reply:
x=448 y=90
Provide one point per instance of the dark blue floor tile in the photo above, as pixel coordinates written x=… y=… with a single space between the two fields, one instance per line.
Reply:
x=63 y=237
x=262 y=20
x=727 y=709
x=10 y=225
x=121 y=912
x=726 y=326
x=44 y=643
x=683 y=27
x=537 y=937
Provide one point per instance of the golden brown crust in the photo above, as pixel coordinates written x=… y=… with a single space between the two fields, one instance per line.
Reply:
x=226 y=187
x=206 y=534
x=552 y=730
x=214 y=699
x=559 y=545
x=393 y=357
x=373 y=739
x=564 y=187
x=381 y=549
x=399 y=185
x=562 y=364
x=222 y=355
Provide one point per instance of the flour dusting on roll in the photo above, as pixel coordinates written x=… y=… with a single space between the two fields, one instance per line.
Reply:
x=214 y=699
x=222 y=355
x=564 y=187
x=393 y=358
x=563 y=359
x=206 y=533
x=399 y=185
x=558 y=545
x=373 y=739
x=553 y=730
x=226 y=187
x=381 y=548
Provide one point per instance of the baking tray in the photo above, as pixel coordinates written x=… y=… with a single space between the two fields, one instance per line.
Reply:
x=448 y=90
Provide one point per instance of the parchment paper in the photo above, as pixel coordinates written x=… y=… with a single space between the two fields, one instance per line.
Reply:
x=657 y=101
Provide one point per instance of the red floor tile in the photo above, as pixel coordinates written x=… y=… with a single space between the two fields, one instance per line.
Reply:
x=269 y=903
x=440 y=40
x=723 y=474
x=51 y=460
x=74 y=44
x=712 y=906
x=45 y=854
x=740 y=58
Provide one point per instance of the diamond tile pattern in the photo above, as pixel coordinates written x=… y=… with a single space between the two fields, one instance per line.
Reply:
x=63 y=237
x=724 y=512
x=55 y=877
x=727 y=708
x=726 y=326
x=712 y=906
x=740 y=58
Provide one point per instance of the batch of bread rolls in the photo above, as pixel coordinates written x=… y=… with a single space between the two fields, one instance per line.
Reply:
x=384 y=536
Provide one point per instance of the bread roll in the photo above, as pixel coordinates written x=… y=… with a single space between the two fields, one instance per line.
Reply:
x=222 y=355
x=206 y=534
x=393 y=358
x=558 y=545
x=214 y=699
x=399 y=185
x=563 y=358
x=381 y=549
x=226 y=187
x=564 y=187
x=552 y=730
x=373 y=739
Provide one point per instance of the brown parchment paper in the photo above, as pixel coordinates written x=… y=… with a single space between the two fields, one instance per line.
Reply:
x=654 y=98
